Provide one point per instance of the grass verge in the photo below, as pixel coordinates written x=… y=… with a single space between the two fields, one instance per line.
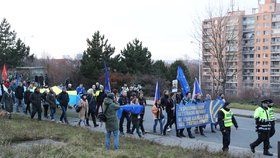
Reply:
x=248 y=107
x=79 y=142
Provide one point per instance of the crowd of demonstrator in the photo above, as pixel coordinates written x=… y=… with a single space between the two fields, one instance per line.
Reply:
x=96 y=100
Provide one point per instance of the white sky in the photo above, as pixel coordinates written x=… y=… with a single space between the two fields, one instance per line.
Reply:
x=61 y=27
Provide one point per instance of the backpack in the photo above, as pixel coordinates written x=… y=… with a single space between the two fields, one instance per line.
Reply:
x=101 y=116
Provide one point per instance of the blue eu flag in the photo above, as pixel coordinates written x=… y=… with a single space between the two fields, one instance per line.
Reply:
x=183 y=81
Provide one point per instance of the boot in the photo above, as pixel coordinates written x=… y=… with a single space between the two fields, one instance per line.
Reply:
x=267 y=153
x=252 y=148
x=178 y=135
x=191 y=136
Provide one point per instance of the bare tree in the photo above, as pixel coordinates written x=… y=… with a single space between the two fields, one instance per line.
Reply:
x=219 y=39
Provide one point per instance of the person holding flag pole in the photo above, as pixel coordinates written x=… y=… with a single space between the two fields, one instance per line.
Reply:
x=157 y=111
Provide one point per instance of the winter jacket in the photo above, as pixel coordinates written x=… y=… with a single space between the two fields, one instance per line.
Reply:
x=221 y=117
x=83 y=104
x=167 y=103
x=35 y=99
x=8 y=100
x=63 y=99
x=51 y=99
x=123 y=100
x=19 y=92
x=112 y=123
x=142 y=101
x=100 y=97
x=91 y=103
x=26 y=97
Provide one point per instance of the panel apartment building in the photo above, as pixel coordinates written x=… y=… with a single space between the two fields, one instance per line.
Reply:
x=256 y=53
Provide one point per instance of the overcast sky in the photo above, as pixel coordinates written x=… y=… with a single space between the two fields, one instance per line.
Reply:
x=61 y=27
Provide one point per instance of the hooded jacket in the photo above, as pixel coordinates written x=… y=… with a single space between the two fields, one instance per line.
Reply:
x=112 y=123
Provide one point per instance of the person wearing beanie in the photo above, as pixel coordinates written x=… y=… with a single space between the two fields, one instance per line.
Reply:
x=111 y=124
x=226 y=119
x=263 y=127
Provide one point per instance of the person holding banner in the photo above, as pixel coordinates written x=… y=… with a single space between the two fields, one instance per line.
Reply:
x=124 y=100
x=198 y=99
x=186 y=99
x=142 y=101
x=135 y=118
x=226 y=120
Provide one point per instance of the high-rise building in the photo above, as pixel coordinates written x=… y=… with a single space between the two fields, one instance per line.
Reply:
x=254 y=52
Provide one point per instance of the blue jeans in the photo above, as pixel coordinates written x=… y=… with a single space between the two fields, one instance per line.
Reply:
x=116 y=139
x=160 y=123
x=63 y=116
x=53 y=111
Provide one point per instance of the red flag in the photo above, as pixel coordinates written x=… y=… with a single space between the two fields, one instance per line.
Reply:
x=4 y=73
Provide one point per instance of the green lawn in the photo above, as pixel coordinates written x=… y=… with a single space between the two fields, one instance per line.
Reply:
x=248 y=107
x=78 y=142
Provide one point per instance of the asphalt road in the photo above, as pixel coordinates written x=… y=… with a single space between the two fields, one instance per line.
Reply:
x=241 y=137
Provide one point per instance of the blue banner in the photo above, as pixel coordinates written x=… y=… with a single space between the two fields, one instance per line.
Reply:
x=192 y=115
x=134 y=109
x=214 y=106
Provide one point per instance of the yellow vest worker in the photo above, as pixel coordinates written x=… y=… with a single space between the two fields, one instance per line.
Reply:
x=226 y=120
x=263 y=127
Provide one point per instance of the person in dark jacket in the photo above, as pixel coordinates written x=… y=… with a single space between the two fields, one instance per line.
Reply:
x=135 y=118
x=100 y=96
x=167 y=103
x=52 y=102
x=35 y=99
x=19 y=97
x=45 y=104
x=92 y=107
x=226 y=120
x=27 y=102
x=142 y=101
x=63 y=99
x=2 y=92
x=8 y=101
x=124 y=100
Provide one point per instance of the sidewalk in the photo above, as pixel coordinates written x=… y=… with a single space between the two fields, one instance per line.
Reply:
x=237 y=112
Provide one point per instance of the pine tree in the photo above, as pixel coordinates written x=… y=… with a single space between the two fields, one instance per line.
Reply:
x=172 y=72
x=97 y=53
x=13 y=51
x=136 y=58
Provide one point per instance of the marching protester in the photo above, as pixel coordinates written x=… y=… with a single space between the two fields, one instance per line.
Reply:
x=142 y=102
x=100 y=96
x=135 y=118
x=198 y=99
x=1 y=92
x=167 y=103
x=186 y=99
x=27 y=102
x=226 y=120
x=35 y=99
x=124 y=100
x=91 y=107
x=63 y=99
x=8 y=101
x=158 y=116
x=45 y=104
x=80 y=89
x=19 y=97
x=83 y=113
x=111 y=124
x=263 y=127
x=52 y=102
x=271 y=119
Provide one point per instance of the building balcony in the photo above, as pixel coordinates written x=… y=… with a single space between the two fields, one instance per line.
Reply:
x=275 y=58
x=248 y=59
x=274 y=81
x=275 y=66
x=248 y=66
x=248 y=74
x=248 y=52
x=275 y=73
x=252 y=29
x=275 y=19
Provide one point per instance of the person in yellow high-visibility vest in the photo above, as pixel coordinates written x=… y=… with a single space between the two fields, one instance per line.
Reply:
x=226 y=120
x=272 y=118
x=263 y=127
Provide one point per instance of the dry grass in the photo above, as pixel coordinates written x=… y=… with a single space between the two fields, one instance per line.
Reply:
x=248 y=107
x=79 y=142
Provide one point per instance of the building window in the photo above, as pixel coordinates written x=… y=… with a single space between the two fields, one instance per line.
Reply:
x=265 y=47
x=265 y=62
x=266 y=32
x=258 y=56
x=265 y=55
x=258 y=40
x=258 y=78
x=266 y=17
x=265 y=78
x=258 y=70
x=258 y=63
x=265 y=40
